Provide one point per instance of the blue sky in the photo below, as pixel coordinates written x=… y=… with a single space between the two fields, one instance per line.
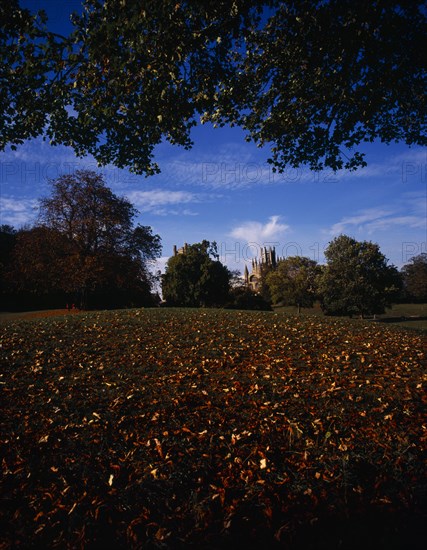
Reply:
x=224 y=190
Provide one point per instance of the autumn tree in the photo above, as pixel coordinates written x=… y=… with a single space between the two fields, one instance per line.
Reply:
x=37 y=271
x=357 y=278
x=294 y=282
x=7 y=242
x=311 y=80
x=85 y=243
x=8 y=236
x=39 y=260
x=195 y=277
x=414 y=276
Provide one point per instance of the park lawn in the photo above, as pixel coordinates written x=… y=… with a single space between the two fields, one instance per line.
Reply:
x=6 y=316
x=169 y=428
x=413 y=316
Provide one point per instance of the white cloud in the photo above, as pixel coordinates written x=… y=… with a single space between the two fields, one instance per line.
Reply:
x=410 y=213
x=52 y=159
x=173 y=212
x=416 y=155
x=17 y=212
x=156 y=198
x=359 y=220
x=229 y=166
x=402 y=167
x=414 y=222
x=234 y=167
x=417 y=203
x=259 y=233
x=216 y=172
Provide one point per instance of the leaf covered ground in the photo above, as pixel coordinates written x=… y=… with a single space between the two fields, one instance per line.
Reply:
x=211 y=429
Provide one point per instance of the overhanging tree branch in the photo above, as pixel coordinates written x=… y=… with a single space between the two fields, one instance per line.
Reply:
x=137 y=77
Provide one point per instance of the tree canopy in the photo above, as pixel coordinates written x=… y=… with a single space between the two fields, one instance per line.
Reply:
x=85 y=243
x=196 y=277
x=294 y=282
x=415 y=278
x=357 y=278
x=311 y=80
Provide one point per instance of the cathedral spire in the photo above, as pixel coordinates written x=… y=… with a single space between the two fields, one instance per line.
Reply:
x=246 y=275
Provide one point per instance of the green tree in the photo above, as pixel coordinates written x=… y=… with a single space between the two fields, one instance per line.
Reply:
x=85 y=243
x=357 y=278
x=294 y=282
x=196 y=277
x=33 y=89
x=312 y=80
x=415 y=278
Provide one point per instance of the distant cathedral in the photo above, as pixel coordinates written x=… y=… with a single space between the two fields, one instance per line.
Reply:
x=181 y=250
x=253 y=280
x=268 y=259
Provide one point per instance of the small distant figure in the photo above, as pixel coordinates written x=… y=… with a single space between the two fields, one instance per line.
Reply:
x=67 y=307
x=73 y=306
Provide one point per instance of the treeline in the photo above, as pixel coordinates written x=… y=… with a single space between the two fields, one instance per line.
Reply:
x=197 y=278
x=84 y=251
x=356 y=280
x=43 y=267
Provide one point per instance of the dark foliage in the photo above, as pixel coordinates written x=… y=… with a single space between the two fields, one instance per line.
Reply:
x=84 y=250
x=244 y=298
x=357 y=278
x=196 y=278
x=415 y=279
x=312 y=80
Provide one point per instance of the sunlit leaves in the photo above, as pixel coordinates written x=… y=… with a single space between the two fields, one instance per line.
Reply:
x=172 y=427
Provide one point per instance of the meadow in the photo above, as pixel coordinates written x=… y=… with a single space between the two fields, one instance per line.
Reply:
x=170 y=428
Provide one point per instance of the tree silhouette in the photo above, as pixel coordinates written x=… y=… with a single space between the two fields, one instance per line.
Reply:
x=196 y=277
x=86 y=244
